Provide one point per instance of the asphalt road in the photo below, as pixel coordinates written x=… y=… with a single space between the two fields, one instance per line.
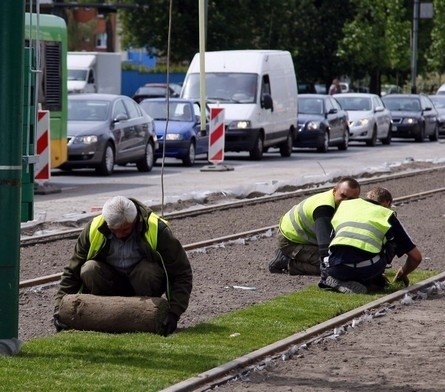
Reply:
x=82 y=191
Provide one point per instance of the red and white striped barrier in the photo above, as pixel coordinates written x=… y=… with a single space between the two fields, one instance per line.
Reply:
x=216 y=136
x=42 y=167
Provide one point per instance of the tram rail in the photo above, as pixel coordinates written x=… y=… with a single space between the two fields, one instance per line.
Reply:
x=74 y=232
x=211 y=242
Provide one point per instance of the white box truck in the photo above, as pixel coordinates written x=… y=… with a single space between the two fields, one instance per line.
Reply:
x=257 y=89
x=94 y=72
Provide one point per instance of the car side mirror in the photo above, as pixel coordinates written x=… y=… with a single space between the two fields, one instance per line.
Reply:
x=120 y=117
x=267 y=102
x=332 y=111
x=427 y=109
x=379 y=109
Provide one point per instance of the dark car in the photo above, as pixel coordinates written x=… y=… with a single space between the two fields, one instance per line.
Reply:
x=413 y=116
x=157 y=90
x=108 y=129
x=306 y=88
x=320 y=88
x=439 y=104
x=321 y=123
x=184 y=137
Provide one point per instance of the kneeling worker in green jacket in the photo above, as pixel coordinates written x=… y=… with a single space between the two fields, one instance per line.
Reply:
x=129 y=251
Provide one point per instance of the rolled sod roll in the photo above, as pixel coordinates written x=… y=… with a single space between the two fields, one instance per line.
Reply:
x=113 y=314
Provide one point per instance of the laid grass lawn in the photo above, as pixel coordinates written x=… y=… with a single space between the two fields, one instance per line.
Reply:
x=91 y=361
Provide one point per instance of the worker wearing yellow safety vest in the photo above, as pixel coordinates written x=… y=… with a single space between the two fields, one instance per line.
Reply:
x=304 y=231
x=129 y=251
x=366 y=237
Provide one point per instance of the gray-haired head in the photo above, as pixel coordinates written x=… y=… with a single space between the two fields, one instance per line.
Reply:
x=119 y=211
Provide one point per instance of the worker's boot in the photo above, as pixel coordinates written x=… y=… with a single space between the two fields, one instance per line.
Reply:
x=342 y=286
x=280 y=264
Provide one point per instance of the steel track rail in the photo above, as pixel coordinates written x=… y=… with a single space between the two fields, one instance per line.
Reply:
x=188 y=247
x=73 y=233
x=231 y=237
x=220 y=375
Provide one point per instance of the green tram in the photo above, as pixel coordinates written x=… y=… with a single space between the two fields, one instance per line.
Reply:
x=46 y=40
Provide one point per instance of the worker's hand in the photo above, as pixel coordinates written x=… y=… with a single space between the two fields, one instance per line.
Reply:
x=169 y=324
x=58 y=324
x=401 y=277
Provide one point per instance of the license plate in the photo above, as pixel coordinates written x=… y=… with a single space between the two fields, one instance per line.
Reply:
x=394 y=128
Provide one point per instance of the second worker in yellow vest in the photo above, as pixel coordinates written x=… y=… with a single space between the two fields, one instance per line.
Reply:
x=367 y=236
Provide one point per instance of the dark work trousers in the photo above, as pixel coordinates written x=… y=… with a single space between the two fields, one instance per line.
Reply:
x=304 y=259
x=358 y=273
x=144 y=279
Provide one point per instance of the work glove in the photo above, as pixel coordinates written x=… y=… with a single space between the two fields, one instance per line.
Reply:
x=58 y=324
x=169 y=324
x=401 y=278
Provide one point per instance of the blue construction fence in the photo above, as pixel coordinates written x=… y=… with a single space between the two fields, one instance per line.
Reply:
x=132 y=80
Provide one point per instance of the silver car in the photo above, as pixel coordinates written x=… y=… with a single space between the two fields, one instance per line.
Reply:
x=108 y=129
x=369 y=119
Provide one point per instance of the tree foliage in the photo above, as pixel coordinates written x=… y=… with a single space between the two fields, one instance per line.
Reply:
x=326 y=38
x=435 y=55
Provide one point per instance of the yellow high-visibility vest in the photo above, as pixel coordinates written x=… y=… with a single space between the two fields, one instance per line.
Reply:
x=298 y=224
x=97 y=239
x=361 y=224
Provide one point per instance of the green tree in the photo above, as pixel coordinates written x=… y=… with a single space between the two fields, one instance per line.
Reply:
x=327 y=38
x=435 y=53
x=316 y=33
x=149 y=28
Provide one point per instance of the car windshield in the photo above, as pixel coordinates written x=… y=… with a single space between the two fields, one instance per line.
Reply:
x=439 y=102
x=177 y=111
x=403 y=104
x=77 y=74
x=310 y=105
x=152 y=91
x=354 y=103
x=87 y=110
x=224 y=87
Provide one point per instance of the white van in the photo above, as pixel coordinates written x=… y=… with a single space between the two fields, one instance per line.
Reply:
x=441 y=90
x=257 y=89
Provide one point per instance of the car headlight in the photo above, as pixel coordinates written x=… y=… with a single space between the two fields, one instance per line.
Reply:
x=240 y=124
x=410 y=120
x=363 y=122
x=90 y=139
x=313 y=125
x=173 y=136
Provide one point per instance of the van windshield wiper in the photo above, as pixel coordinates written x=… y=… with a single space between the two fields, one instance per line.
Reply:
x=215 y=99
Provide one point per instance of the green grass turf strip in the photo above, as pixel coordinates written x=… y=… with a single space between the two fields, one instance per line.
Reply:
x=91 y=361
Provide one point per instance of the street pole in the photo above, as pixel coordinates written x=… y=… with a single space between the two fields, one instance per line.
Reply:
x=12 y=31
x=414 y=46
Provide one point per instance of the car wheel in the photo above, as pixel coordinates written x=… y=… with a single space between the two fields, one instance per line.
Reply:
x=420 y=138
x=372 y=142
x=146 y=163
x=325 y=145
x=345 y=143
x=387 y=140
x=286 y=147
x=189 y=159
x=256 y=153
x=434 y=137
x=106 y=167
